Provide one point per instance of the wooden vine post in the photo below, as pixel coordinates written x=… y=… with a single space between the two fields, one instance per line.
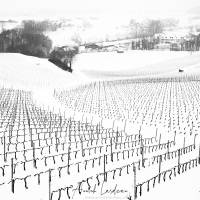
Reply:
x=12 y=180
x=135 y=195
x=49 y=184
x=159 y=175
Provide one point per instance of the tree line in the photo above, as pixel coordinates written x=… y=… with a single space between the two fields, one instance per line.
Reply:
x=150 y=27
x=29 y=39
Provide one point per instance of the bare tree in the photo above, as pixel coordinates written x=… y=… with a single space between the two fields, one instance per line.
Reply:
x=154 y=27
x=76 y=37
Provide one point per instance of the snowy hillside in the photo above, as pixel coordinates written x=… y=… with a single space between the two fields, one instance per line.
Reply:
x=120 y=125
x=20 y=71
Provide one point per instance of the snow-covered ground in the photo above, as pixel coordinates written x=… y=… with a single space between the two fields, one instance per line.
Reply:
x=137 y=92
x=109 y=61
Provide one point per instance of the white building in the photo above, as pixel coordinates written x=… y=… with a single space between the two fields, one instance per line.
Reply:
x=173 y=37
x=7 y=25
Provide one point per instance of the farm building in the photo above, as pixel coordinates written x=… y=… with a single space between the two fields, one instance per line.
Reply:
x=7 y=25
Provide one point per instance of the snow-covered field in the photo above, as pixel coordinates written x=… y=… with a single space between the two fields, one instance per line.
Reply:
x=107 y=61
x=121 y=125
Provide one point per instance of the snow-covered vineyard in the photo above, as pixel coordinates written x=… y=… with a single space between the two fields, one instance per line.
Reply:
x=101 y=132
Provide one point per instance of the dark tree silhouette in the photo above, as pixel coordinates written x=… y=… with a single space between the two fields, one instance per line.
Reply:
x=63 y=57
x=30 y=39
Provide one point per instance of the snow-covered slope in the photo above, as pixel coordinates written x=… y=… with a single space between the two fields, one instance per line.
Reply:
x=43 y=78
x=20 y=71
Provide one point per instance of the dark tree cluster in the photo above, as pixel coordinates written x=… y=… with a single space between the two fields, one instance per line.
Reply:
x=30 y=39
x=143 y=44
x=63 y=57
x=193 y=44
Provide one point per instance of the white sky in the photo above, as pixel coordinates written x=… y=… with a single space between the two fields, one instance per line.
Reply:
x=26 y=7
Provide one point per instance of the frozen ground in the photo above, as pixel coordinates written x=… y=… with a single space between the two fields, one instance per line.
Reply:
x=43 y=79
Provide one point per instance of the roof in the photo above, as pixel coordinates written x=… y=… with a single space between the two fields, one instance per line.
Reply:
x=92 y=46
x=9 y=21
x=12 y=21
x=65 y=48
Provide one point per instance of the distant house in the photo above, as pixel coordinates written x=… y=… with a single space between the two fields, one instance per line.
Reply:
x=92 y=47
x=7 y=25
x=172 y=37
